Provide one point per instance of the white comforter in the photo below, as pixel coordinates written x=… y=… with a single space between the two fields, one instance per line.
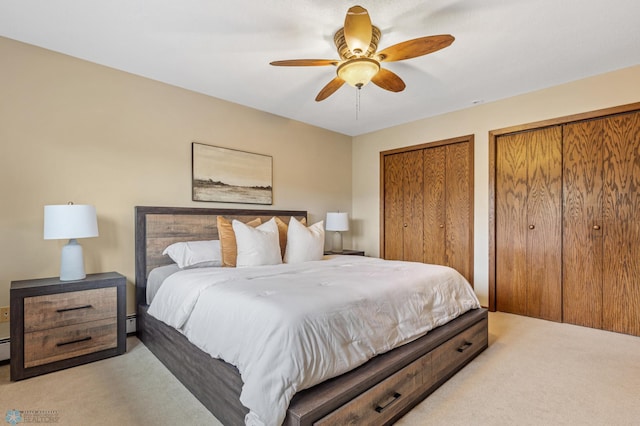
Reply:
x=289 y=327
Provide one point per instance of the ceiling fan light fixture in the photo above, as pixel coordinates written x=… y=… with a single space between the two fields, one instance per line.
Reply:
x=358 y=72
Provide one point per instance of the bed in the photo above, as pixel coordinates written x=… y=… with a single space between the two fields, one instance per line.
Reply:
x=376 y=392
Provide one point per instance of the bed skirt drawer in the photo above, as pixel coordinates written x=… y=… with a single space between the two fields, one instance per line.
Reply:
x=57 y=310
x=383 y=401
x=449 y=357
x=43 y=347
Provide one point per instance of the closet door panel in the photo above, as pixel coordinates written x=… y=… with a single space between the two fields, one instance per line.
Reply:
x=393 y=206
x=511 y=223
x=621 y=284
x=582 y=233
x=544 y=211
x=434 y=206
x=458 y=209
x=413 y=184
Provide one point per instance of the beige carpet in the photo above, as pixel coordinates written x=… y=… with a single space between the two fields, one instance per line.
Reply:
x=533 y=373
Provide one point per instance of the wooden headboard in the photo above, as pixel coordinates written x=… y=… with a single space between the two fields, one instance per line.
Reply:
x=158 y=227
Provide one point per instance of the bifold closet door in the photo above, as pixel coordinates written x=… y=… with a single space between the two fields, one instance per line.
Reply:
x=621 y=223
x=529 y=223
x=583 y=227
x=601 y=280
x=447 y=207
x=403 y=204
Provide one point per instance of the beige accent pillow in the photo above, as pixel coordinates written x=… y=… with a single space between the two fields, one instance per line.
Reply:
x=228 y=245
x=283 y=228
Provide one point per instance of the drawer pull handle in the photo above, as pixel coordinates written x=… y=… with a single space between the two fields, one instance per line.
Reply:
x=464 y=347
x=74 y=308
x=84 y=339
x=387 y=403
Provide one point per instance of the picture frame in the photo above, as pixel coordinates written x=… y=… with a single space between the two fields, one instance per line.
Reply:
x=228 y=175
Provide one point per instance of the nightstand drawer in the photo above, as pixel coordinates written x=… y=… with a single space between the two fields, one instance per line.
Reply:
x=75 y=307
x=43 y=347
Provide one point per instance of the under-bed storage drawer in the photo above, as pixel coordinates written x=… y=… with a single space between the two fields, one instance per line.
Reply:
x=383 y=401
x=391 y=397
x=448 y=357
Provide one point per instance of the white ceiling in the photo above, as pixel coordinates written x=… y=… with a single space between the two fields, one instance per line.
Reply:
x=223 y=49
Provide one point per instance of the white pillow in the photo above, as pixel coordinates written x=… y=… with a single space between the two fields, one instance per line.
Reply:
x=257 y=246
x=192 y=253
x=304 y=244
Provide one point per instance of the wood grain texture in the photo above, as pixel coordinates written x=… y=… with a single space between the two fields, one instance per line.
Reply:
x=582 y=244
x=621 y=223
x=393 y=207
x=529 y=223
x=413 y=204
x=435 y=205
x=459 y=204
x=47 y=346
x=436 y=213
x=511 y=223
x=34 y=353
x=544 y=212
x=74 y=307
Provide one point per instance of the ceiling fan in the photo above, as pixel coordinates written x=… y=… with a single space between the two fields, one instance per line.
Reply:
x=359 y=63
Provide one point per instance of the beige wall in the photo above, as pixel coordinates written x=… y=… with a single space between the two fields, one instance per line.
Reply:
x=75 y=131
x=608 y=90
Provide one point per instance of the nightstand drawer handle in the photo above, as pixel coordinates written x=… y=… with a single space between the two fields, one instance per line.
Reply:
x=74 y=309
x=84 y=339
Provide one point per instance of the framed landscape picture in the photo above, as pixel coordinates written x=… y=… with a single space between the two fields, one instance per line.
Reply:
x=230 y=176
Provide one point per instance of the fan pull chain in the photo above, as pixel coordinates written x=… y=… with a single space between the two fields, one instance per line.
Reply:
x=357 y=103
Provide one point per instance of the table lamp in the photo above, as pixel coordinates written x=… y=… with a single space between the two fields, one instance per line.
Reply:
x=70 y=221
x=338 y=222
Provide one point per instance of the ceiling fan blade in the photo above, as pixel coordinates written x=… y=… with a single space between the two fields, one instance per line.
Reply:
x=414 y=48
x=329 y=89
x=388 y=80
x=305 y=62
x=357 y=30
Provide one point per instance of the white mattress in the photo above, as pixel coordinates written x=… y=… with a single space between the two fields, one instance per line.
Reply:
x=288 y=327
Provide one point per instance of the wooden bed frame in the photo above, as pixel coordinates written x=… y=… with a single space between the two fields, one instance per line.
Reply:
x=378 y=392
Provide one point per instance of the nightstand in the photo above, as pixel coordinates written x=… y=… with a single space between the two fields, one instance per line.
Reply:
x=346 y=252
x=59 y=324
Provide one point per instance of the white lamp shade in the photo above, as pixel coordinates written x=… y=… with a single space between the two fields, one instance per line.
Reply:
x=337 y=221
x=70 y=221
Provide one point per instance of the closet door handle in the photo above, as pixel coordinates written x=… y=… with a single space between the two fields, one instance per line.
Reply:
x=405 y=225
x=441 y=226
x=596 y=227
x=532 y=227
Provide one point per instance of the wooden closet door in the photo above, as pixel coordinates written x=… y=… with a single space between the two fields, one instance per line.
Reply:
x=621 y=223
x=459 y=217
x=413 y=228
x=393 y=207
x=511 y=223
x=434 y=205
x=544 y=211
x=582 y=230
x=529 y=223
x=403 y=204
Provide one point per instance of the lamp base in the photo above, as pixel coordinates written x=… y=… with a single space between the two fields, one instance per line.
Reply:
x=337 y=242
x=72 y=262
